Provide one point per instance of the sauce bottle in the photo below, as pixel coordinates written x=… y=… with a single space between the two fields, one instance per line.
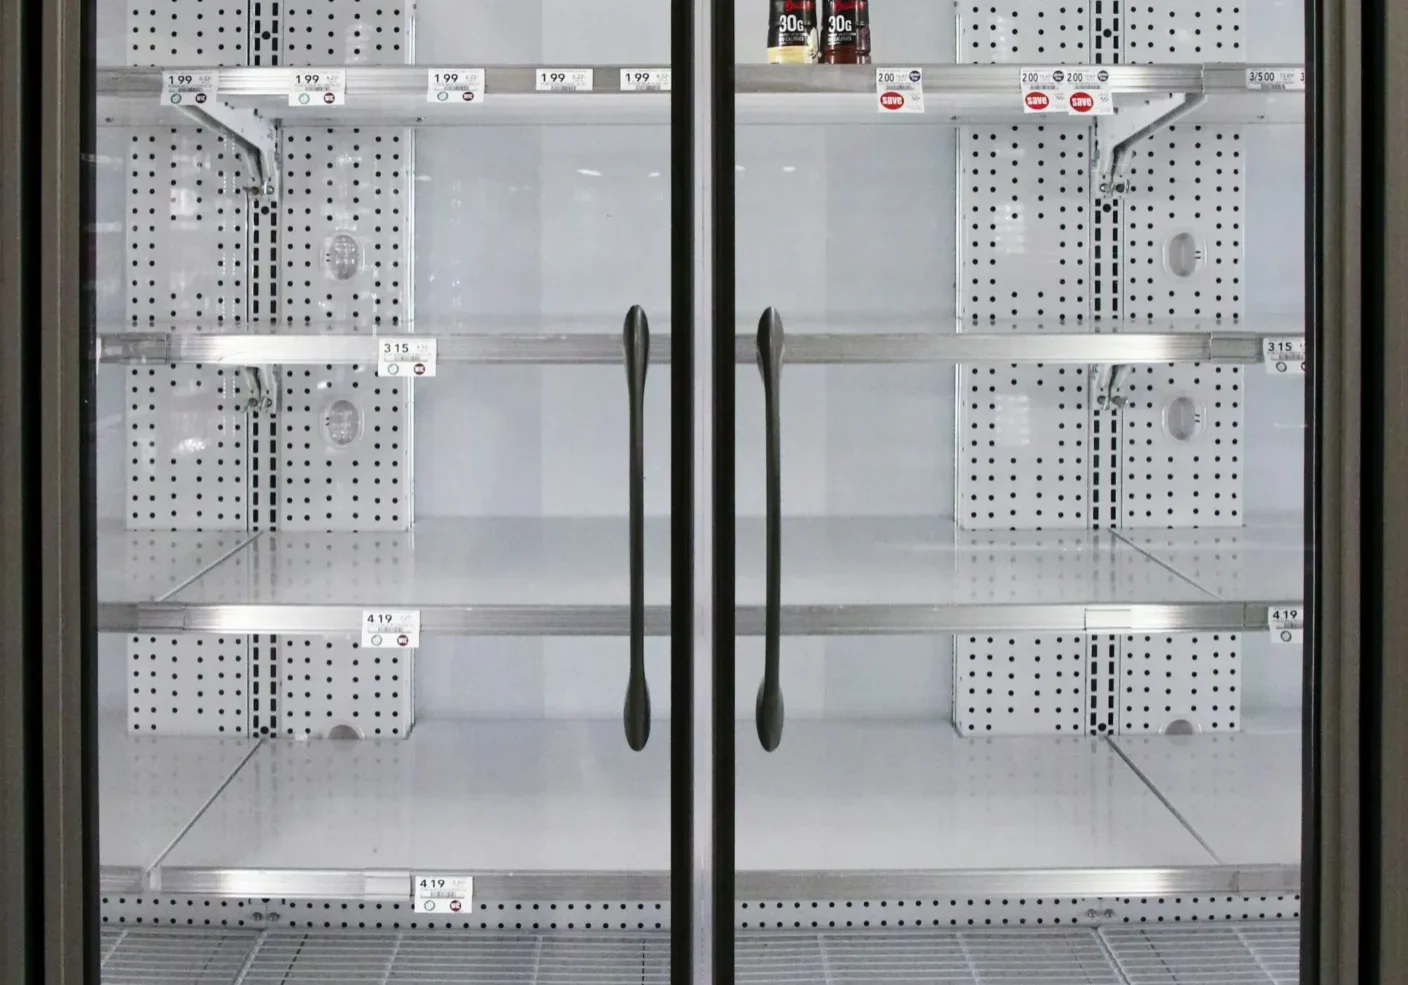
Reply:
x=792 y=32
x=845 y=32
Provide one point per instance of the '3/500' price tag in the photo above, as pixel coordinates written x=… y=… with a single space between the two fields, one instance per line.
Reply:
x=391 y=629
x=405 y=357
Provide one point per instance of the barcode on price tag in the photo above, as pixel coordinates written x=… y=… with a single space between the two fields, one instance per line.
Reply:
x=645 y=80
x=447 y=894
x=317 y=87
x=454 y=86
x=1285 y=357
x=391 y=629
x=1276 y=79
x=900 y=90
x=564 y=80
x=1075 y=90
x=405 y=357
x=1287 y=623
x=188 y=87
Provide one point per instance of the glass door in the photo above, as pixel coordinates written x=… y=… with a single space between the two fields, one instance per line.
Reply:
x=385 y=475
x=1019 y=446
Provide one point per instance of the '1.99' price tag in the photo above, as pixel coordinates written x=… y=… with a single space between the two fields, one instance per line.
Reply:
x=1285 y=357
x=317 y=87
x=563 y=80
x=462 y=86
x=900 y=90
x=1287 y=623
x=186 y=88
x=645 y=80
x=448 y=894
x=391 y=629
x=405 y=357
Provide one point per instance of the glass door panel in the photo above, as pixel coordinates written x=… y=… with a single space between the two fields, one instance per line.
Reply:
x=1019 y=490
x=384 y=415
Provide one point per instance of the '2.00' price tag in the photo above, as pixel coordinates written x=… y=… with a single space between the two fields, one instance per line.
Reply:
x=900 y=90
x=197 y=87
x=405 y=357
x=391 y=629
x=1287 y=623
x=318 y=87
x=447 y=894
x=1073 y=90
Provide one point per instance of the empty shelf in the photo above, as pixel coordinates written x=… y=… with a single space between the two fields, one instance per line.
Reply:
x=150 y=788
x=1254 y=952
x=147 y=566
x=1263 y=561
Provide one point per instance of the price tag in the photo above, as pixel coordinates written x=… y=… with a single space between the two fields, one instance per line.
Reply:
x=405 y=357
x=1074 y=90
x=191 y=87
x=564 y=80
x=448 y=894
x=1284 y=357
x=454 y=85
x=645 y=80
x=1287 y=623
x=899 y=90
x=391 y=629
x=1276 y=79
x=317 y=87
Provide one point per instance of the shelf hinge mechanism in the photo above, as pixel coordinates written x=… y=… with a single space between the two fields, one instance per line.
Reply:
x=256 y=136
x=1116 y=135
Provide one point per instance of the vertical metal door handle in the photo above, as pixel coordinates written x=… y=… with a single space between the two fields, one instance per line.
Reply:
x=769 y=709
x=636 y=337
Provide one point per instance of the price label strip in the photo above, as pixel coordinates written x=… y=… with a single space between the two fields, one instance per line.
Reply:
x=1074 y=90
x=455 y=86
x=189 y=88
x=405 y=357
x=447 y=894
x=899 y=90
x=645 y=80
x=391 y=629
x=318 y=87
x=1276 y=79
x=563 y=80
x=1287 y=623
x=1284 y=357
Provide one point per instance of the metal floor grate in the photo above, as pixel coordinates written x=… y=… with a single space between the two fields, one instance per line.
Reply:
x=1207 y=954
x=149 y=956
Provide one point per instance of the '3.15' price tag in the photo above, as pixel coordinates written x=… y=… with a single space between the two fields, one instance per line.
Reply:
x=405 y=357
x=391 y=629
x=1285 y=357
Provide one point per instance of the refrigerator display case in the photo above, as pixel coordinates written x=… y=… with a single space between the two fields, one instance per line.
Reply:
x=644 y=492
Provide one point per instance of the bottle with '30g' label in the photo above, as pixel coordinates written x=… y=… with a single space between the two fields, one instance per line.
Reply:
x=845 y=32
x=792 y=33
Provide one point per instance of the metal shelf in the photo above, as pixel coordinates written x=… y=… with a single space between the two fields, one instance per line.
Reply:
x=809 y=341
x=767 y=94
x=568 y=577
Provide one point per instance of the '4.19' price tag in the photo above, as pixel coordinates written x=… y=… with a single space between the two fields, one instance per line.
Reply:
x=448 y=894
x=317 y=87
x=900 y=90
x=645 y=80
x=405 y=357
x=1285 y=357
x=391 y=629
x=563 y=80
x=463 y=86
x=196 y=87
x=1287 y=623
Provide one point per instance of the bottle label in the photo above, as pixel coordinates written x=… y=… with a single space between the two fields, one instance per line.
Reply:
x=847 y=25
x=792 y=32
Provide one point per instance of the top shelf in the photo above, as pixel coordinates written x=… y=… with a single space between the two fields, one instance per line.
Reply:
x=767 y=94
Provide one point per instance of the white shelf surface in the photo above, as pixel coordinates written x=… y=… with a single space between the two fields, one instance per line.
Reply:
x=1239 y=791
x=1263 y=561
x=150 y=787
x=147 y=566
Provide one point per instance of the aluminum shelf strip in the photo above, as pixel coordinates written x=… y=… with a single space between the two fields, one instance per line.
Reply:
x=767 y=94
x=195 y=955
x=563 y=810
x=1243 y=953
x=150 y=788
x=831 y=342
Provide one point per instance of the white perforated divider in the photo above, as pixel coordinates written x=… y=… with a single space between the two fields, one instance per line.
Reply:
x=187 y=33
x=1035 y=31
x=1182 y=30
x=359 y=32
x=1020 y=684
x=332 y=688
x=187 y=684
x=1182 y=446
x=1180 y=683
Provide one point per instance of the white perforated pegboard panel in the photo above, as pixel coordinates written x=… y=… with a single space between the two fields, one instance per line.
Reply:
x=1037 y=32
x=1182 y=30
x=187 y=33
x=187 y=684
x=1022 y=447
x=1020 y=684
x=345 y=235
x=1178 y=909
x=1180 y=683
x=1182 y=441
x=345 y=450
x=896 y=912
x=329 y=684
x=352 y=32
x=1184 y=207
x=186 y=461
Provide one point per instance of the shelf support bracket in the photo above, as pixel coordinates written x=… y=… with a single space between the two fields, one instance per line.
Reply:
x=255 y=135
x=1106 y=379
x=1115 y=135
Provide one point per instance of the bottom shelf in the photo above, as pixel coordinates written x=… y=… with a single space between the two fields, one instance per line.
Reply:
x=1248 y=953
